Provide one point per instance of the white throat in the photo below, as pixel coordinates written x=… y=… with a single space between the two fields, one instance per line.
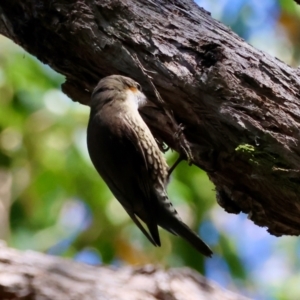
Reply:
x=136 y=99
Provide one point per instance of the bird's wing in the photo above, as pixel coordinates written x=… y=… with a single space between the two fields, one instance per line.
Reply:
x=120 y=195
x=120 y=157
x=144 y=170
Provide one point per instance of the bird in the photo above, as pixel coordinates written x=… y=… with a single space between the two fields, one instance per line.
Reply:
x=127 y=157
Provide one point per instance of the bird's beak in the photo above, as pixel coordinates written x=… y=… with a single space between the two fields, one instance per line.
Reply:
x=141 y=99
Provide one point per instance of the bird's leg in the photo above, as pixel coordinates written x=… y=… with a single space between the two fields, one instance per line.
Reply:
x=178 y=135
x=187 y=150
x=178 y=160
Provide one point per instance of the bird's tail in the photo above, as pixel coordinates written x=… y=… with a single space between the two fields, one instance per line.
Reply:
x=169 y=219
x=191 y=237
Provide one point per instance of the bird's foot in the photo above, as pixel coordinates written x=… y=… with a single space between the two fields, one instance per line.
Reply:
x=184 y=145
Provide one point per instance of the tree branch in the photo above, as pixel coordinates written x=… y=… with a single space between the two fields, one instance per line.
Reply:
x=31 y=275
x=238 y=105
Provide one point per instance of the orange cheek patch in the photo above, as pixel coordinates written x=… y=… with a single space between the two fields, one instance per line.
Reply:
x=133 y=89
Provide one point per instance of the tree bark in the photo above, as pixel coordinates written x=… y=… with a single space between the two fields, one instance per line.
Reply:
x=31 y=275
x=238 y=106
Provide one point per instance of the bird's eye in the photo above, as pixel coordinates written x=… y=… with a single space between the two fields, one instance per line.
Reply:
x=139 y=87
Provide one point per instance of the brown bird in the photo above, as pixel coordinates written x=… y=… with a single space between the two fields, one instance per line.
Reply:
x=127 y=157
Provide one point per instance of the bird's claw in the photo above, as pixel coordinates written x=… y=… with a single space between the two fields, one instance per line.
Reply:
x=178 y=135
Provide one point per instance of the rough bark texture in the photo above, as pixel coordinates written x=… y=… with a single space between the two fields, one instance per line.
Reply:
x=239 y=106
x=31 y=275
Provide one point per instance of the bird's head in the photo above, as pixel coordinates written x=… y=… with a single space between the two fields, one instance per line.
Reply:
x=118 y=88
